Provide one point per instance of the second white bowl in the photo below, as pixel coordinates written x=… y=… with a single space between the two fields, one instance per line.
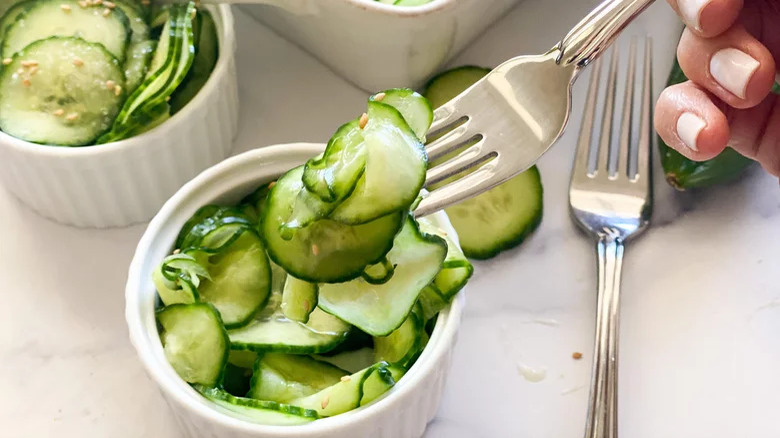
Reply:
x=403 y=412
x=126 y=182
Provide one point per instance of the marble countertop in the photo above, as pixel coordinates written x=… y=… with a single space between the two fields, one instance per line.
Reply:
x=701 y=292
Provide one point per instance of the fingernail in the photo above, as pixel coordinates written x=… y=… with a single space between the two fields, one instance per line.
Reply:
x=689 y=125
x=691 y=11
x=732 y=69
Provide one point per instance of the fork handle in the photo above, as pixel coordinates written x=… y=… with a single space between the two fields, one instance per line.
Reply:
x=595 y=33
x=602 y=405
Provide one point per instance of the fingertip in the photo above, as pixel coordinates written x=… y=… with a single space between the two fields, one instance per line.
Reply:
x=689 y=122
x=708 y=18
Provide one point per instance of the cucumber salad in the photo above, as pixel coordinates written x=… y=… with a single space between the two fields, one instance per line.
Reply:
x=317 y=292
x=86 y=72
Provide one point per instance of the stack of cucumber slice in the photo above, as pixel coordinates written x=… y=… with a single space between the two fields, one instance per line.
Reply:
x=317 y=293
x=81 y=72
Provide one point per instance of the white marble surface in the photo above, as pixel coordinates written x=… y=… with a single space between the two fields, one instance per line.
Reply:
x=701 y=307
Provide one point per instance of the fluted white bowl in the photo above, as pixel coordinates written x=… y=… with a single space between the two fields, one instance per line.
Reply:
x=376 y=45
x=126 y=182
x=403 y=412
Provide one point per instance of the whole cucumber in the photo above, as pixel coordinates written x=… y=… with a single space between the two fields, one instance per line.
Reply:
x=683 y=173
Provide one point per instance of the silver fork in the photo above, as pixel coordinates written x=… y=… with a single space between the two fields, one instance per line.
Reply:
x=612 y=206
x=516 y=112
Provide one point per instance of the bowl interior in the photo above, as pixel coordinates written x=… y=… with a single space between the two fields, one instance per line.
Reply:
x=228 y=182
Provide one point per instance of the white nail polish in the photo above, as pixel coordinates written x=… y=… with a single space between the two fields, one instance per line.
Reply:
x=691 y=11
x=732 y=69
x=689 y=125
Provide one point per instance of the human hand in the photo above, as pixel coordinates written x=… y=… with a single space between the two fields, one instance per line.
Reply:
x=730 y=51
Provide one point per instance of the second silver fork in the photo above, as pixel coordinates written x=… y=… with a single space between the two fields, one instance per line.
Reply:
x=612 y=205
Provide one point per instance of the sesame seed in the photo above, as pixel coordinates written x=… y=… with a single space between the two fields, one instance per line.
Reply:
x=271 y=184
x=7 y=61
x=78 y=62
x=106 y=12
x=72 y=116
x=29 y=63
x=345 y=378
x=306 y=304
x=363 y=120
x=325 y=402
x=194 y=13
x=315 y=250
x=83 y=3
x=109 y=5
x=97 y=2
x=59 y=113
x=146 y=2
x=177 y=250
x=65 y=8
x=26 y=82
x=117 y=90
x=110 y=84
x=20 y=71
x=379 y=97
x=576 y=355
x=33 y=70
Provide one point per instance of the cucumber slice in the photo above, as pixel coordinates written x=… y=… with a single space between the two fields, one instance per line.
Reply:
x=137 y=61
x=56 y=101
x=325 y=251
x=446 y=85
x=206 y=54
x=380 y=309
x=140 y=49
x=177 y=279
x=379 y=273
x=322 y=333
x=503 y=217
x=194 y=341
x=258 y=411
x=350 y=361
x=333 y=175
x=207 y=219
x=284 y=377
x=456 y=269
x=414 y=108
x=379 y=382
x=47 y=18
x=177 y=41
x=299 y=299
x=395 y=168
x=242 y=358
x=500 y=218
x=270 y=331
x=348 y=393
x=432 y=301
x=12 y=14
x=239 y=281
x=404 y=345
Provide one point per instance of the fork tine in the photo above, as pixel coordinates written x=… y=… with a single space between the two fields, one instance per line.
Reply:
x=445 y=116
x=467 y=159
x=602 y=163
x=626 y=119
x=473 y=184
x=645 y=135
x=449 y=141
x=583 y=144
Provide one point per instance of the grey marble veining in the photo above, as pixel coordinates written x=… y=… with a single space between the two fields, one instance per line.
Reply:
x=700 y=350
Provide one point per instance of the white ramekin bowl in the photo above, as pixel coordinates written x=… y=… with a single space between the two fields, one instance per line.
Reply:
x=376 y=45
x=126 y=182
x=402 y=413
